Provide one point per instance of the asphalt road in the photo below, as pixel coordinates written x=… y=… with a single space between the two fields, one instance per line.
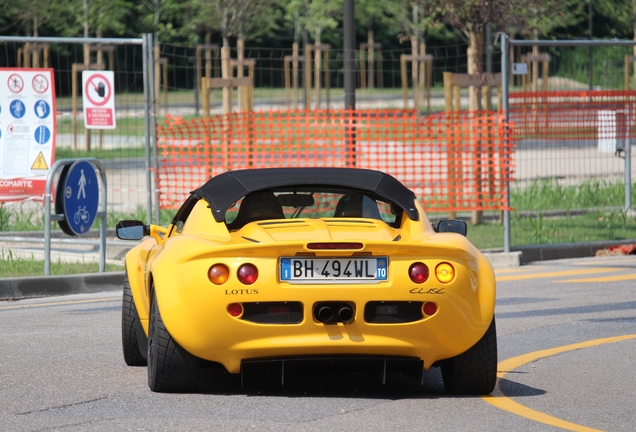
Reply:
x=567 y=355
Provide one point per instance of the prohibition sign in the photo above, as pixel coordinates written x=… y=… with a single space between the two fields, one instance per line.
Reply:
x=40 y=83
x=98 y=90
x=16 y=83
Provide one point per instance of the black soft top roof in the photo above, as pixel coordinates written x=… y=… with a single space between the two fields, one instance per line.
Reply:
x=225 y=189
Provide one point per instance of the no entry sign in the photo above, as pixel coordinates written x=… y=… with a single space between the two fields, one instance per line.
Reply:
x=99 y=99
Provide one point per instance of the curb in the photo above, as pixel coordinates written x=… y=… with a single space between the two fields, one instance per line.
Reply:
x=45 y=286
x=550 y=252
x=501 y=259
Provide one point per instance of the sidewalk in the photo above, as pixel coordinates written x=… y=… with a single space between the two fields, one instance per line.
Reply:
x=31 y=246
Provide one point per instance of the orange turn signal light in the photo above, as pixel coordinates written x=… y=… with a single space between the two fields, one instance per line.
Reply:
x=218 y=274
x=444 y=272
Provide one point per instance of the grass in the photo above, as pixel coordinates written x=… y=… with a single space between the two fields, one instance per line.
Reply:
x=13 y=266
x=546 y=212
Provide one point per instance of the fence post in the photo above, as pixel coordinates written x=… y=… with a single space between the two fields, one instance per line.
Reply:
x=147 y=48
x=505 y=68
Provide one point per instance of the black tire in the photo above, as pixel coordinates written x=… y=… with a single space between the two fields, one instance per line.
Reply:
x=132 y=334
x=170 y=367
x=475 y=371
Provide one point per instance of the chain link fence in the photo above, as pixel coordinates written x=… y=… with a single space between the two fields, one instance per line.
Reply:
x=564 y=189
x=574 y=117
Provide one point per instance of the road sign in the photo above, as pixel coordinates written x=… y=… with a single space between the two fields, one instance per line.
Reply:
x=40 y=83
x=99 y=99
x=77 y=197
x=15 y=83
x=27 y=137
x=520 y=69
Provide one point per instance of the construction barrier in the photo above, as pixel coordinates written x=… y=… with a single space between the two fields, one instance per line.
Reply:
x=572 y=115
x=456 y=161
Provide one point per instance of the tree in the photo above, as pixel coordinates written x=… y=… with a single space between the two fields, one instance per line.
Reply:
x=537 y=18
x=30 y=15
x=163 y=18
x=368 y=14
x=413 y=20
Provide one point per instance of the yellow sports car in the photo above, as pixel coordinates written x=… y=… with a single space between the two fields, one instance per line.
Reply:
x=285 y=265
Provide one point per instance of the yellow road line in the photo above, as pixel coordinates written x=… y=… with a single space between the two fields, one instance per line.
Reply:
x=518 y=270
x=617 y=278
x=501 y=401
x=27 y=306
x=557 y=274
x=626 y=259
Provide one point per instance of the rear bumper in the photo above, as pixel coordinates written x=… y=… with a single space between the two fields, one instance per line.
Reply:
x=217 y=336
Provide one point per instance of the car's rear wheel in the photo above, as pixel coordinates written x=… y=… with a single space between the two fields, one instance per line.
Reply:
x=131 y=331
x=475 y=371
x=170 y=367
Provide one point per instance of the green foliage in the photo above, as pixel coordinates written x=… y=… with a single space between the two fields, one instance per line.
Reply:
x=21 y=218
x=15 y=266
x=549 y=194
x=538 y=18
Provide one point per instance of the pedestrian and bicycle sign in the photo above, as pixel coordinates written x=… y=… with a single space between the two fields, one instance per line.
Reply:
x=77 y=197
x=78 y=202
x=99 y=100
x=27 y=131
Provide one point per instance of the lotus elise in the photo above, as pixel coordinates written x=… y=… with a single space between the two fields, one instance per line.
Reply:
x=284 y=265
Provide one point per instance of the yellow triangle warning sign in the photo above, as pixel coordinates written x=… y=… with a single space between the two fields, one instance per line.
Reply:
x=40 y=163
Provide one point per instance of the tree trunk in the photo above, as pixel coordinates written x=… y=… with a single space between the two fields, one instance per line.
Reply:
x=317 y=64
x=370 y=51
x=634 y=49
x=535 y=64
x=414 y=75
x=475 y=65
x=240 y=53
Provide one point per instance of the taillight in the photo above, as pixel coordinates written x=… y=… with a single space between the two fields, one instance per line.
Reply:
x=218 y=274
x=418 y=272
x=444 y=272
x=429 y=308
x=247 y=274
x=235 y=310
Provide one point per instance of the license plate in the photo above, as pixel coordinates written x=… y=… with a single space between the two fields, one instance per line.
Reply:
x=334 y=270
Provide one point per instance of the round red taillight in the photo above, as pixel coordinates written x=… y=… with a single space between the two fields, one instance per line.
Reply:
x=235 y=310
x=429 y=308
x=247 y=274
x=218 y=274
x=418 y=272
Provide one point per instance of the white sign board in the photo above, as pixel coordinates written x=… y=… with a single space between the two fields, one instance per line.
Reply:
x=98 y=88
x=520 y=69
x=27 y=131
x=613 y=129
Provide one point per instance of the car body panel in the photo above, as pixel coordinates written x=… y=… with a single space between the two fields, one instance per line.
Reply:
x=195 y=311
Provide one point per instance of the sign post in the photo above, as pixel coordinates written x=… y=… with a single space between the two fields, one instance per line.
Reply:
x=77 y=202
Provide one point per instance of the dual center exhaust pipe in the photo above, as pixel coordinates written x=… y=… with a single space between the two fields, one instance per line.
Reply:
x=334 y=312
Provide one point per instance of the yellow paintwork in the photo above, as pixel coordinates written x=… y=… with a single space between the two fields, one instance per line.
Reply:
x=195 y=311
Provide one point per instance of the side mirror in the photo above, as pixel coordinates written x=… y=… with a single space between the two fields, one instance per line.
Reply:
x=132 y=230
x=454 y=226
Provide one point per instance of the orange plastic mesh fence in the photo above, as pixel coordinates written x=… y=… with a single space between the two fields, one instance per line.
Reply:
x=572 y=115
x=452 y=161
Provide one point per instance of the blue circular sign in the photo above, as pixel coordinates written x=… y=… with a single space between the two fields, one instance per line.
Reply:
x=42 y=135
x=17 y=109
x=80 y=198
x=42 y=109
